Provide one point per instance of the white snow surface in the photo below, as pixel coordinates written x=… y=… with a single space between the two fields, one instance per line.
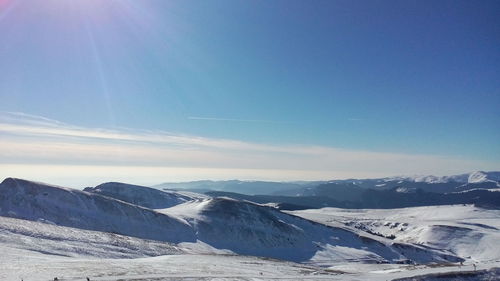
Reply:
x=40 y=251
x=463 y=230
x=17 y=264
x=63 y=241
x=48 y=231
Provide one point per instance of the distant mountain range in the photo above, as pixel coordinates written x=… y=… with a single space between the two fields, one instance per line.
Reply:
x=444 y=184
x=243 y=187
x=371 y=199
x=480 y=188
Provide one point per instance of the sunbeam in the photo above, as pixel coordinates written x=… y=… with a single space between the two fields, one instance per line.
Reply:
x=100 y=73
x=6 y=6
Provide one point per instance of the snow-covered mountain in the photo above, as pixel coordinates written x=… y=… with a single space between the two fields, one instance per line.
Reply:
x=429 y=183
x=251 y=229
x=143 y=196
x=219 y=223
x=478 y=177
x=440 y=184
x=46 y=231
x=474 y=177
x=428 y=190
x=74 y=208
x=352 y=196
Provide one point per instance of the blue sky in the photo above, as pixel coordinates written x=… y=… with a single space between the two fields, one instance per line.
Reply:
x=414 y=78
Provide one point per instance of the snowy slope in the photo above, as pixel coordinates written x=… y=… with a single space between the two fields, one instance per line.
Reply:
x=73 y=242
x=221 y=223
x=19 y=264
x=37 y=249
x=67 y=207
x=464 y=230
x=143 y=196
x=251 y=229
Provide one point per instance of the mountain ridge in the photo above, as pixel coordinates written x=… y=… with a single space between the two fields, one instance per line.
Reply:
x=439 y=184
x=75 y=208
x=241 y=227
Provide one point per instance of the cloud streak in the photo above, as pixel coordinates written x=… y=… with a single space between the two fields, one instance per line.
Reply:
x=236 y=120
x=49 y=150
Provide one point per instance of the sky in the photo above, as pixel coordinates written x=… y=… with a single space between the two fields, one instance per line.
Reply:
x=151 y=91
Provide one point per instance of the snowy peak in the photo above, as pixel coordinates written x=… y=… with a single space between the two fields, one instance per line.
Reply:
x=28 y=186
x=474 y=177
x=480 y=177
x=251 y=229
x=74 y=208
x=141 y=195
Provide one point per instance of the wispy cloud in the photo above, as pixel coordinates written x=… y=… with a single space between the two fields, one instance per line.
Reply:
x=63 y=150
x=235 y=120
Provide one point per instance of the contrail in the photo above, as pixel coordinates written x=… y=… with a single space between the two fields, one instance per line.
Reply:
x=236 y=120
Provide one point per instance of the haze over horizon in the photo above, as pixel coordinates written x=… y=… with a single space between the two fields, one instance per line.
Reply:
x=153 y=91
